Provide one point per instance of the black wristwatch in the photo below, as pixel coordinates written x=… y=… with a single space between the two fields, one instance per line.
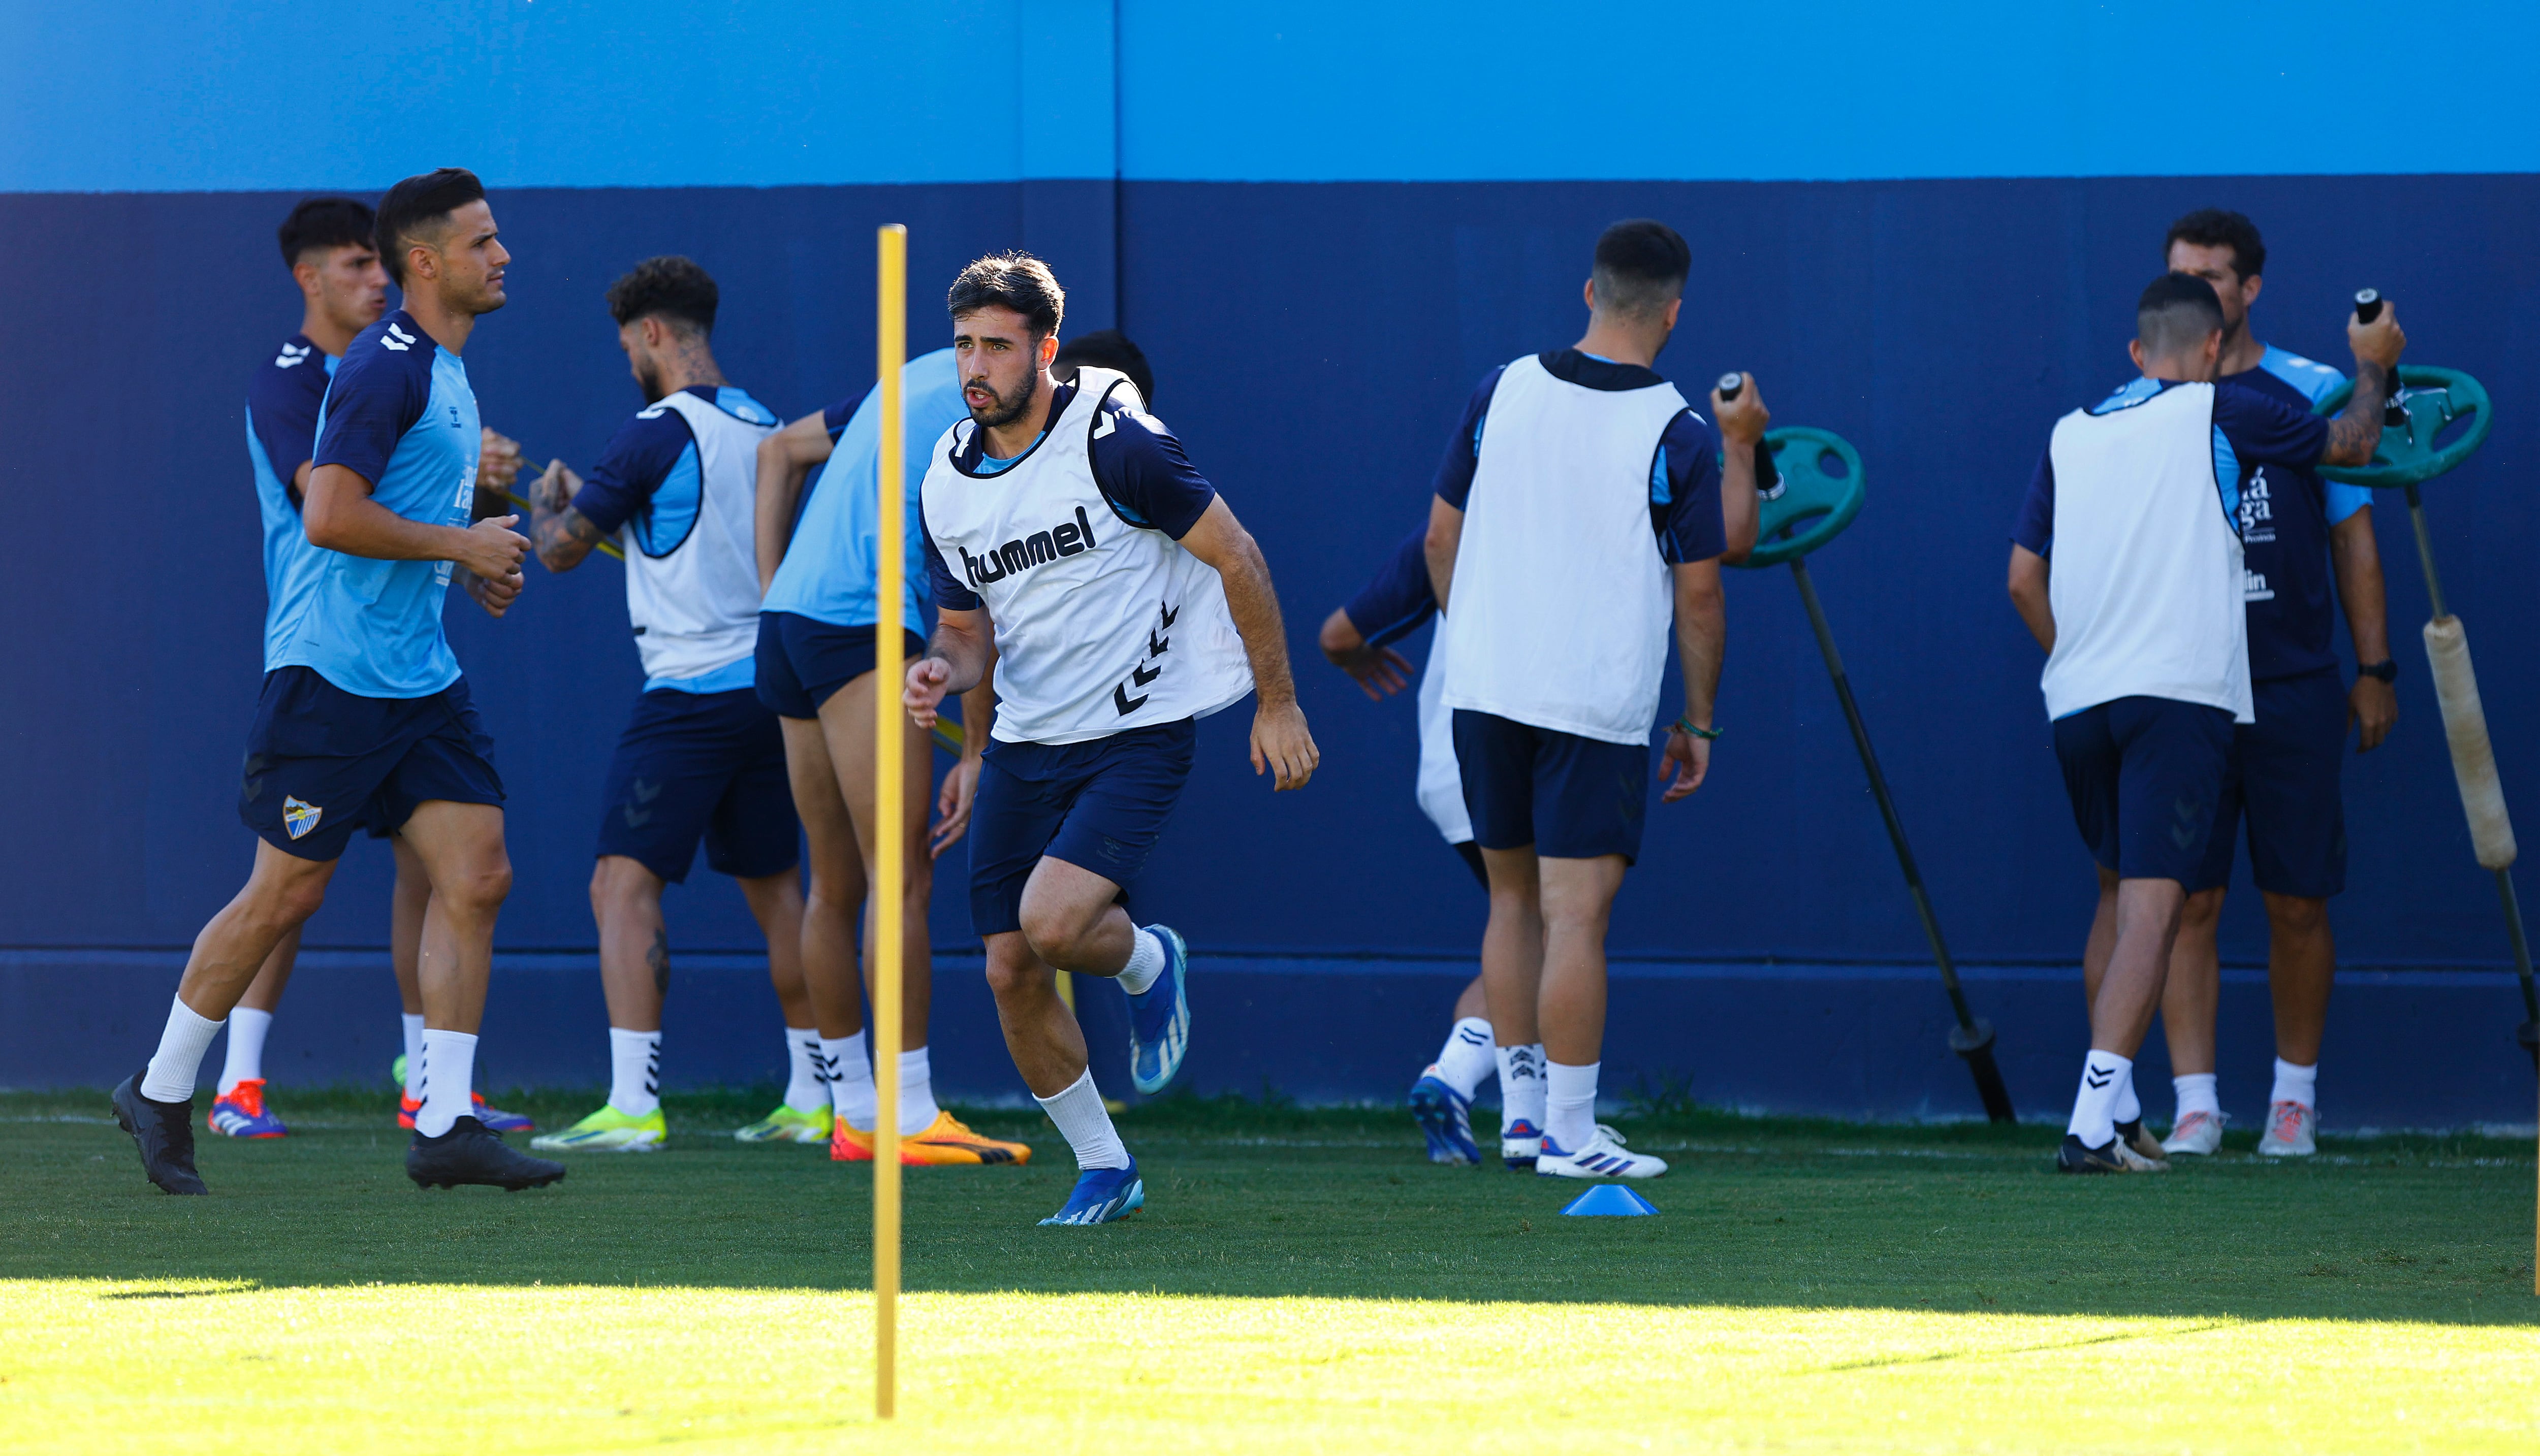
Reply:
x=2386 y=670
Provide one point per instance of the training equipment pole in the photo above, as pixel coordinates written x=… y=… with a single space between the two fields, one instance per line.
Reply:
x=890 y=741
x=1972 y=1038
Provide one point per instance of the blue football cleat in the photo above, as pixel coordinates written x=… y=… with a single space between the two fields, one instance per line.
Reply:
x=1103 y=1196
x=1520 y=1143
x=1446 y=1120
x=1160 y=1020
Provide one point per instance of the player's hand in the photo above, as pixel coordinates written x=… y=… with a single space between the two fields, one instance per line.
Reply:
x=928 y=678
x=952 y=806
x=497 y=462
x=555 y=489
x=1379 y=671
x=1687 y=762
x=1744 y=419
x=2374 y=705
x=496 y=593
x=1281 y=744
x=492 y=549
x=2380 y=341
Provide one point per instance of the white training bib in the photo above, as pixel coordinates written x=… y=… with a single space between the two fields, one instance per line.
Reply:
x=1101 y=626
x=693 y=594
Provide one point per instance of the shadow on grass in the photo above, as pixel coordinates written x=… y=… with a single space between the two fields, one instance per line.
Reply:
x=1253 y=1198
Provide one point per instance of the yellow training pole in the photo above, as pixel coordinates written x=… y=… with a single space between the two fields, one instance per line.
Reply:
x=890 y=741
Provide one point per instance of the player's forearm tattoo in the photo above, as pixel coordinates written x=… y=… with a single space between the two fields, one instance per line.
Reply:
x=562 y=537
x=2356 y=429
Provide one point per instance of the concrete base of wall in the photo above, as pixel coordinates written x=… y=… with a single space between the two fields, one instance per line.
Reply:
x=2405 y=1047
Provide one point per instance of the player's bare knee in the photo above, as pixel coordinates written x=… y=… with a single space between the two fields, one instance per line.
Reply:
x=2203 y=911
x=478 y=888
x=1012 y=970
x=2294 y=916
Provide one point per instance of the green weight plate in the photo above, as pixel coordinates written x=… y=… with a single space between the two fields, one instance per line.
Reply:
x=1821 y=491
x=2435 y=399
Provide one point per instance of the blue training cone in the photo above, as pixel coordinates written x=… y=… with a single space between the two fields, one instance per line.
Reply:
x=1610 y=1201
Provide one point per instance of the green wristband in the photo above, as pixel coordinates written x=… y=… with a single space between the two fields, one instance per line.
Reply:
x=1685 y=726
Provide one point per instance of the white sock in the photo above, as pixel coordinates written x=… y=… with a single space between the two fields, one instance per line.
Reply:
x=1521 y=1086
x=2128 y=1107
x=634 y=1070
x=1146 y=963
x=1085 y=1125
x=1570 y=1105
x=171 y=1078
x=448 y=1075
x=1466 y=1061
x=2095 y=1105
x=917 y=1109
x=803 y=1089
x=851 y=1083
x=246 y=1059
x=2196 y=1094
x=413 y=1053
x=2296 y=1085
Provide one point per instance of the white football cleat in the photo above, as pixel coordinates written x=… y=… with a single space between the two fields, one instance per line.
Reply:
x=2194 y=1133
x=2135 y=1162
x=2291 y=1130
x=1604 y=1157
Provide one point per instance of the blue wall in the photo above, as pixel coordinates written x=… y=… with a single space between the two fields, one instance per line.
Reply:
x=1323 y=225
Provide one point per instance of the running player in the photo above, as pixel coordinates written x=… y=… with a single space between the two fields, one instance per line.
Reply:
x=1581 y=505
x=1120 y=600
x=327 y=244
x=2299 y=533
x=815 y=671
x=367 y=717
x=2145 y=631
x=701 y=758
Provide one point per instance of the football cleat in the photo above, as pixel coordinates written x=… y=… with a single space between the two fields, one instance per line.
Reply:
x=1103 y=1196
x=849 y=1143
x=1160 y=1020
x=496 y=1118
x=789 y=1124
x=1520 y=1142
x=2133 y=1135
x=1446 y=1118
x=164 y=1133
x=470 y=1154
x=2197 y=1134
x=2114 y=1156
x=239 y=1112
x=606 y=1131
x=1604 y=1157
x=946 y=1140
x=2291 y=1130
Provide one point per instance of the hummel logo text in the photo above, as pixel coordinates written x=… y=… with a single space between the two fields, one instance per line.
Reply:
x=1014 y=558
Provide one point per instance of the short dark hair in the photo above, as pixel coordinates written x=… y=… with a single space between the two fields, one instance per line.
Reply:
x=1011 y=280
x=1108 y=348
x=1641 y=267
x=324 y=223
x=2178 y=312
x=414 y=205
x=2212 y=227
x=668 y=287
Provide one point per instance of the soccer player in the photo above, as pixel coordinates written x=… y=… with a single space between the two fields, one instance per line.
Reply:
x=2139 y=503
x=2298 y=533
x=327 y=244
x=368 y=717
x=816 y=651
x=1579 y=508
x=1120 y=600
x=701 y=758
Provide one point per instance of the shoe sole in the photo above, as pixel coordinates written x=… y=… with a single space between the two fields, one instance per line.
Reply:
x=958 y=1155
x=1436 y=1120
x=508 y=1184
x=1137 y=1200
x=2264 y=1151
x=1545 y=1168
x=542 y=1144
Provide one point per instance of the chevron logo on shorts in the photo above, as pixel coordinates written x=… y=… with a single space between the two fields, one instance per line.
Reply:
x=298 y=817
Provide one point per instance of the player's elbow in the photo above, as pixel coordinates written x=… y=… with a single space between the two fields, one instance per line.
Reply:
x=322 y=522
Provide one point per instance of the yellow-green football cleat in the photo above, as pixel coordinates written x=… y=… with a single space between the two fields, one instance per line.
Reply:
x=788 y=1124
x=607 y=1130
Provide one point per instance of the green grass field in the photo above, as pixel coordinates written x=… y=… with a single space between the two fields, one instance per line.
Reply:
x=1300 y=1280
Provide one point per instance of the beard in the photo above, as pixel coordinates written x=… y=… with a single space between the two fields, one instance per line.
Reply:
x=648 y=377
x=1005 y=411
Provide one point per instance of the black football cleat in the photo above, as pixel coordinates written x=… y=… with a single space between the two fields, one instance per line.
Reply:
x=2077 y=1157
x=164 y=1133
x=470 y=1152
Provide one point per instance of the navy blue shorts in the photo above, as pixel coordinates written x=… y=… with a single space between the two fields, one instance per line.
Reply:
x=323 y=762
x=803 y=663
x=1099 y=805
x=696 y=766
x=1568 y=796
x=2145 y=776
x=2284 y=775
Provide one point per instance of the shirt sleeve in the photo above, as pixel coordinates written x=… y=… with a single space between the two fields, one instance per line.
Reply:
x=375 y=397
x=1454 y=482
x=1684 y=492
x=2034 y=527
x=834 y=418
x=1400 y=598
x=2263 y=430
x=639 y=457
x=1142 y=470
x=282 y=406
x=2344 y=500
x=952 y=593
